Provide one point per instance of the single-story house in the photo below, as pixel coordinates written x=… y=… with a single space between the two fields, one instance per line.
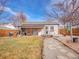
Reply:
x=40 y=28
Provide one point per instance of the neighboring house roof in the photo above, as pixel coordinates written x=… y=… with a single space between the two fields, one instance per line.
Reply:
x=5 y=28
x=37 y=24
x=8 y=27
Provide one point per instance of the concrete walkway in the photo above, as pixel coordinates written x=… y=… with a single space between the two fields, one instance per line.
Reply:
x=53 y=49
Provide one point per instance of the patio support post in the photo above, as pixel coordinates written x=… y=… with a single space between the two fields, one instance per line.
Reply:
x=71 y=32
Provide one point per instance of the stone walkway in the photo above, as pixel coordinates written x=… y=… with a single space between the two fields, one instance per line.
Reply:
x=53 y=49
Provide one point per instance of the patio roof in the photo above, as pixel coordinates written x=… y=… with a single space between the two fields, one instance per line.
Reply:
x=33 y=26
x=42 y=23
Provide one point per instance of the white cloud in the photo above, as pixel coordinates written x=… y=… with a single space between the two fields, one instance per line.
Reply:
x=7 y=9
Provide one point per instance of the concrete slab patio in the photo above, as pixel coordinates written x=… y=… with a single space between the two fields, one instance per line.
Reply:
x=53 y=49
x=68 y=42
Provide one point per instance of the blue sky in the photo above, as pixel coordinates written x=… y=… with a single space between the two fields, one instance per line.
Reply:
x=34 y=9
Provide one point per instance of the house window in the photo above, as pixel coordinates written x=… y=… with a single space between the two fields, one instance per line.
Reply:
x=52 y=28
x=46 y=27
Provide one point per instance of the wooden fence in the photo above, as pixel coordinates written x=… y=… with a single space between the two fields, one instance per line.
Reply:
x=75 y=31
x=5 y=33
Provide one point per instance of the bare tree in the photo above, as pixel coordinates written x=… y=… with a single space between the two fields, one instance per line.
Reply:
x=69 y=12
x=66 y=9
x=19 y=19
x=3 y=3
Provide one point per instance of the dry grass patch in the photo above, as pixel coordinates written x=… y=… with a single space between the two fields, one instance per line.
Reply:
x=21 y=48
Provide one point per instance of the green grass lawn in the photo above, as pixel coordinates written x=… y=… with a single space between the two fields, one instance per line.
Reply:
x=21 y=48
